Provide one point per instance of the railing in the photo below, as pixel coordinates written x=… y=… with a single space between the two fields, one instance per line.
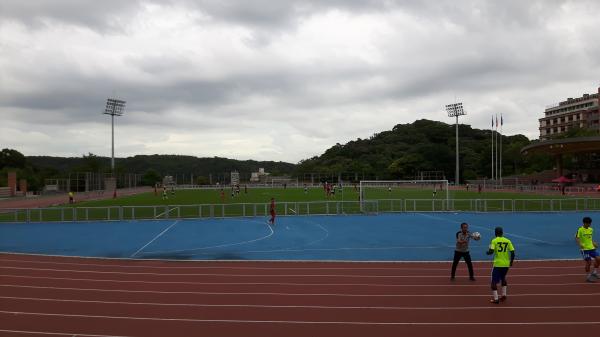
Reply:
x=295 y=209
x=183 y=211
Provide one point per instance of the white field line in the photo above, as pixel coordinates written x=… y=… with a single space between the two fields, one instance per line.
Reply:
x=215 y=246
x=154 y=239
x=396 y=266
x=167 y=211
x=264 y=306
x=491 y=230
x=287 y=294
x=288 y=284
x=294 y=322
x=48 y=333
x=266 y=276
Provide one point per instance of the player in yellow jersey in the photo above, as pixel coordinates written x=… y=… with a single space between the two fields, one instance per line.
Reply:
x=584 y=238
x=504 y=256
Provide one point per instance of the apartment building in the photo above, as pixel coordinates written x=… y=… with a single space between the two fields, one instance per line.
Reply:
x=580 y=112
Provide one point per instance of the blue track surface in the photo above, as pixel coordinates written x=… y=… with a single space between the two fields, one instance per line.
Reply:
x=388 y=237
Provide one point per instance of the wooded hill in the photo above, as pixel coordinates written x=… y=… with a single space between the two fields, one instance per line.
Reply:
x=424 y=145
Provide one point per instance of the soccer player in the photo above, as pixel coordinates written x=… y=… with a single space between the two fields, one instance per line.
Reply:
x=504 y=256
x=463 y=236
x=584 y=238
x=164 y=196
x=272 y=212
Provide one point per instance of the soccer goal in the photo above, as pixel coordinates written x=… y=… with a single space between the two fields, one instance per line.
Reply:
x=403 y=189
x=284 y=182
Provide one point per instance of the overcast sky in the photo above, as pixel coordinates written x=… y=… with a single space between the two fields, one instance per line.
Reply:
x=280 y=80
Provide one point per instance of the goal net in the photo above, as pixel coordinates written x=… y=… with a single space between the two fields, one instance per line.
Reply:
x=283 y=182
x=403 y=189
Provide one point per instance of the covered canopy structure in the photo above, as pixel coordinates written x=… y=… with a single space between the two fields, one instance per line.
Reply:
x=560 y=147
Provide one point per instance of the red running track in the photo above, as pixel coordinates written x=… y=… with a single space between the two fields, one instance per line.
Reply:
x=61 y=296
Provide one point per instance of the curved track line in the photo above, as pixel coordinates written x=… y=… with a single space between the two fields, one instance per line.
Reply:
x=290 y=294
x=203 y=305
x=397 y=265
x=262 y=275
x=294 y=322
x=288 y=283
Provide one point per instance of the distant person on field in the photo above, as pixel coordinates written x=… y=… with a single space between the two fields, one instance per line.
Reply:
x=245 y=189
x=504 y=256
x=172 y=189
x=479 y=188
x=463 y=236
x=71 y=198
x=164 y=194
x=272 y=212
x=305 y=189
x=585 y=240
x=434 y=191
x=222 y=195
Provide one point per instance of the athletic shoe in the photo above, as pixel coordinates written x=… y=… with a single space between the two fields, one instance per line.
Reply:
x=451 y=278
x=595 y=275
x=493 y=301
x=590 y=279
x=471 y=278
x=502 y=298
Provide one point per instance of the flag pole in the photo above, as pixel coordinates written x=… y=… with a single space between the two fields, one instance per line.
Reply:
x=492 y=148
x=501 y=124
x=496 y=159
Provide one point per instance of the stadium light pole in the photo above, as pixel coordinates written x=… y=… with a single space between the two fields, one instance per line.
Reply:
x=455 y=110
x=114 y=107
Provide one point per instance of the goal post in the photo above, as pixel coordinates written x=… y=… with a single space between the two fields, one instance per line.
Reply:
x=279 y=182
x=403 y=189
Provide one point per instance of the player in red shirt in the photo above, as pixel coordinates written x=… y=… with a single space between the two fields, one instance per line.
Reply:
x=272 y=212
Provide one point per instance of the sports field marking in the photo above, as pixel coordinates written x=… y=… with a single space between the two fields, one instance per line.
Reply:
x=271 y=232
x=292 y=322
x=288 y=283
x=287 y=294
x=263 y=275
x=264 y=306
x=163 y=213
x=491 y=230
x=156 y=237
x=398 y=266
x=57 y=333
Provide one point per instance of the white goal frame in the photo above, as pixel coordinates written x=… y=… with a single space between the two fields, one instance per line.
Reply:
x=291 y=182
x=390 y=183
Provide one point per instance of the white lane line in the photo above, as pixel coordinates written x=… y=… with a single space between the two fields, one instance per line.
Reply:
x=215 y=246
x=293 y=322
x=396 y=266
x=156 y=237
x=268 y=276
x=48 y=333
x=285 y=294
x=491 y=230
x=292 y=261
x=288 y=283
x=265 y=306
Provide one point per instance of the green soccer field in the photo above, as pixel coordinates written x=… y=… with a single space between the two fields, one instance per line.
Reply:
x=263 y=195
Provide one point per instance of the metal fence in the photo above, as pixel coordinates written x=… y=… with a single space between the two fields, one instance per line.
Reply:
x=295 y=209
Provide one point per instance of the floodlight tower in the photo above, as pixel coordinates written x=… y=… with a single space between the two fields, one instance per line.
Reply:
x=114 y=107
x=455 y=110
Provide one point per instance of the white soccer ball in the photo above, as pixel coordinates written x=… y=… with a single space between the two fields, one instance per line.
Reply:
x=476 y=236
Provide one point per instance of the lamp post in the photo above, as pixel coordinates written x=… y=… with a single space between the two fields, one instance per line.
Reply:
x=455 y=110
x=114 y=107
